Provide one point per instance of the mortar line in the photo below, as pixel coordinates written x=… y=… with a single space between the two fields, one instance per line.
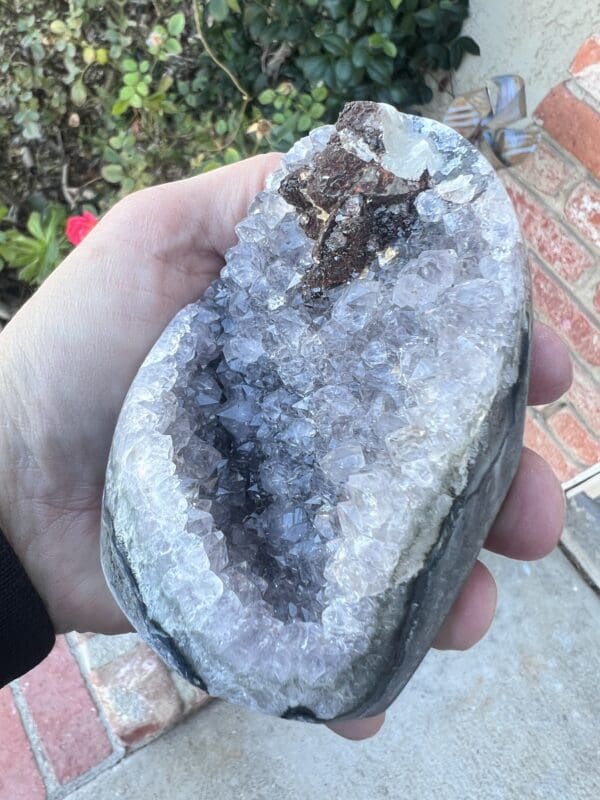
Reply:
x=45 y=767
x=116 y=744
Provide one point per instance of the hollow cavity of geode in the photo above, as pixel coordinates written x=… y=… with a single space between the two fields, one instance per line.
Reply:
x=310 y=457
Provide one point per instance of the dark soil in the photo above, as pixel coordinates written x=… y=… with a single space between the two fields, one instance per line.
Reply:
x=13 y=293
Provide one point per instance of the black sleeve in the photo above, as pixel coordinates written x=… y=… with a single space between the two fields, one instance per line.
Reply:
x=26 y=631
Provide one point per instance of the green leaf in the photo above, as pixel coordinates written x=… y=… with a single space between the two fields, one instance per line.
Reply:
x=468 y=45
x=343 y=70
x=376 y=40
x=335 y=7
x=234 y=6
x=173 y=47
x=313 y=67
x=126 y=93
x=317 y=110
x=361 y=55
x=129 y=65
x=266 y=97
x=142 y=89
x=438 y=55
x=131 y=78
x=58 y=27
x=88 y=55
x=390 y=49
x=360 y=12
x=176 y=24
x=34 y=225
x=128 y=185
x=320 y=93
x=164 y=84
x=457 y=11
x=305 y=123
x=112 y=173
x=136 y=101
x=334 y=44
x=144 y=66
x=407 y=27
x=218 y=9
x=119 y=107
x=231 y=155
x=208 y=166
x=78 y=93
x=426 y=17
x=380 y=71
x=221 y=127
x=455 y=53
x=395 y=4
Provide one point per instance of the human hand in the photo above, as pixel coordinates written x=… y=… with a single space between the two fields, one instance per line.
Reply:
x=70 y=354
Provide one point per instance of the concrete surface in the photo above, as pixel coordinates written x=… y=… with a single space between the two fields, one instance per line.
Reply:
x=514 y=718
x=537 y=40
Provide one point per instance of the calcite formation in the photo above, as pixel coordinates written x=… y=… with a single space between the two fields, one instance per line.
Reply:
x=310 y=457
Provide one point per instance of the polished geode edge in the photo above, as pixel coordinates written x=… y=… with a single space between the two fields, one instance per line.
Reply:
x=432 y=590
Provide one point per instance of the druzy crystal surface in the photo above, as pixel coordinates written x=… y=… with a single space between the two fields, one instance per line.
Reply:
x=310 y=457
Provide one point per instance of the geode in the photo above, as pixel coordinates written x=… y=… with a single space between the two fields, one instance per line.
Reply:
x=309 y=459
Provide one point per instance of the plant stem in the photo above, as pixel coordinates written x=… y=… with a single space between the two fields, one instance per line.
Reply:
x=211 y=54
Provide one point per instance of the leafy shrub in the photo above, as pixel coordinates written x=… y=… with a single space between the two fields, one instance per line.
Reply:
x=36 y=252
x=101 y=97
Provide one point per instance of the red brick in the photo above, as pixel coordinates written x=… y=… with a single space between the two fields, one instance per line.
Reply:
x=537 y=439
x=584 y=396
x=586 y=66
x=555 y=306
x=66 y=718
x=545 y=170
x=573 y=124
x=583 y=210
x=580 y=442
x=19 y=775
x=137 y=694
x=550 y=239
x=587 y=55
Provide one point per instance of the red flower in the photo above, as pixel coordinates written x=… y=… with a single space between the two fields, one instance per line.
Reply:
x=79 y=227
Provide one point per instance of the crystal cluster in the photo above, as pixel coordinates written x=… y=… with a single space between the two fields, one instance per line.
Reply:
x=309 y=459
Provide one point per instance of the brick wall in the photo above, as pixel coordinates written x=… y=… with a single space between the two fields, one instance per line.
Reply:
x=556 y=194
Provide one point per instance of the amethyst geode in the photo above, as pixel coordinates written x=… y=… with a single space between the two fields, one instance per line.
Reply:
x=311 y=456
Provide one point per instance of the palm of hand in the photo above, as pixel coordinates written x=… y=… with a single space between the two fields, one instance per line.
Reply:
x=69 y=357
x=71 y=353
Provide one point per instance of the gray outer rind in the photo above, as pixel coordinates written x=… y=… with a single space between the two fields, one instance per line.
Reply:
x=431 y=593
x=125 y=590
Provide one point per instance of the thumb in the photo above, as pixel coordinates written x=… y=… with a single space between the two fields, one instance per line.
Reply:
x=195 y=217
